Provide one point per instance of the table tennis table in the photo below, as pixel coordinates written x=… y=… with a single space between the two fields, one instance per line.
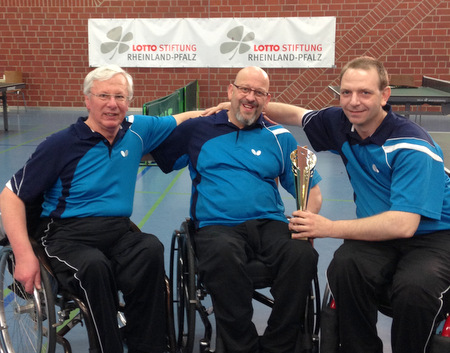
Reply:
x=433 y=92
x=4 y=87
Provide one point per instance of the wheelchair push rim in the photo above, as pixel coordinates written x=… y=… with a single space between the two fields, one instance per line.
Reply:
x=26 y=320
x=183 y=292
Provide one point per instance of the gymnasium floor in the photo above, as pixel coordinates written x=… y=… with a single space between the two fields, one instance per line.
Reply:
x=161 y=201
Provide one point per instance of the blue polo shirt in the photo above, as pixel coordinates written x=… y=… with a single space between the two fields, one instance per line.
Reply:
x=398 y=168
x=233 y=170
x=81 y=174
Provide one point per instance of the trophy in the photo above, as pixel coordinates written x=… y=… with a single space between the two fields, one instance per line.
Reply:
x=303 y=165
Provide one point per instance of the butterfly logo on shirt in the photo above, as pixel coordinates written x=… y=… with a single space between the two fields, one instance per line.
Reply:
x=124 y=153
x=256 y=153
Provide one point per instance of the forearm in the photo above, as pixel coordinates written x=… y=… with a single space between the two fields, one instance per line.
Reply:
x=187 y=115
x=14 y=221
x=385 y=226
x=314 y=200
x=278 y=112
x=15 y=224
x=285 y=113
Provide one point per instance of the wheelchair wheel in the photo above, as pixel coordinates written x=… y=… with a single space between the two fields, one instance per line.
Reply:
x=182 y=276
x=26 y=320
x=312 y=321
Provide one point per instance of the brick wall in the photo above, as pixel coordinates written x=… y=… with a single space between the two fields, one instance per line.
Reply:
x=48 y=41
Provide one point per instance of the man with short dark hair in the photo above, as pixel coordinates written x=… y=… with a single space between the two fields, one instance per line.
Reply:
x=401 y=237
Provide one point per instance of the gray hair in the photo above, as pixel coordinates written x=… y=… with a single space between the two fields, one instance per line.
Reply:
x=104 y=73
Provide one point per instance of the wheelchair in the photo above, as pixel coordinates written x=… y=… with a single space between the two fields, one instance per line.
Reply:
x=188 y=292
x=329 y=340
x=36 y=322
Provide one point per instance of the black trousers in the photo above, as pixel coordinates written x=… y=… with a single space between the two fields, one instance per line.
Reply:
x=417 y=270
x=223 y=252
x=94 y=258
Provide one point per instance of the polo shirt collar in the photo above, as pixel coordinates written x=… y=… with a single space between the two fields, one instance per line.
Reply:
x=222 y=118
x=380 y=135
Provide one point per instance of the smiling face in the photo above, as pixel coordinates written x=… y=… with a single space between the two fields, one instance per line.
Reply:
x=246 y=107
x=362 y=99
x=105 y=116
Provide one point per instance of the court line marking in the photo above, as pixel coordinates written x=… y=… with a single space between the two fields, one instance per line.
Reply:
x=160 y=198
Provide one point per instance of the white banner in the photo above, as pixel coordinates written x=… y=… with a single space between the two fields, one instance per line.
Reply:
x=294 y=42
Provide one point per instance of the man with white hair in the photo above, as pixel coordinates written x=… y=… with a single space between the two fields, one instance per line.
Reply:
x=85 y=175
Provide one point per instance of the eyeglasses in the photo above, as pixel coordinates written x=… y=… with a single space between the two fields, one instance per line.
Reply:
x=106 y=97
x=247 y=90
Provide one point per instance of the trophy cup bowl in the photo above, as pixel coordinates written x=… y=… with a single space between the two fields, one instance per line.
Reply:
x=303 y=165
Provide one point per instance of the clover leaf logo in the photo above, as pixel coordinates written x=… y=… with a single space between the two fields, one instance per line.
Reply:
x=115 y=35
x=236 y=34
